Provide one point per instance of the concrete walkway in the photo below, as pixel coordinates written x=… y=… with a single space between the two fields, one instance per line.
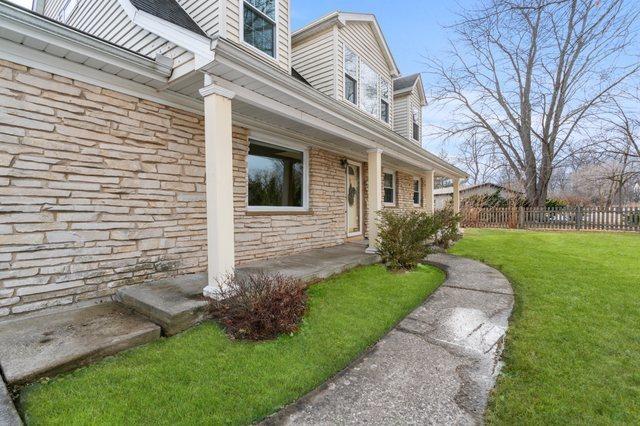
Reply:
x=436 y=367
x=8 y=414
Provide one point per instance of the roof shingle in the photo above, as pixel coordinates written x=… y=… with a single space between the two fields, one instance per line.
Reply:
x=170 y=11
x=406 y=82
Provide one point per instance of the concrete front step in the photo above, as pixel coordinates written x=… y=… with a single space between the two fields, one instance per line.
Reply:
x=177 y=304
x=174 y=304
x=46 y=345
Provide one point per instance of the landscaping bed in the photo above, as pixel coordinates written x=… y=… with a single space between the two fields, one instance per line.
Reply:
x=573 y=343
x=201 y=376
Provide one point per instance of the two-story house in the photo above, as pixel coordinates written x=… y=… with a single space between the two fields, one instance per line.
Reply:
x=143 y=139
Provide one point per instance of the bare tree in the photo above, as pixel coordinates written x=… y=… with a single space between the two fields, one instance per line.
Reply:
x=478 y=157
x=620 y=134
x=530 y=75
x=619 y=138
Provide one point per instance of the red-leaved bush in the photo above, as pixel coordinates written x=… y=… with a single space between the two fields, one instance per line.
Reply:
x=259 y=306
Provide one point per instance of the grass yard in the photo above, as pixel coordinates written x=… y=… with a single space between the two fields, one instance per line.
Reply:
x=573 y=348
x=201 y=377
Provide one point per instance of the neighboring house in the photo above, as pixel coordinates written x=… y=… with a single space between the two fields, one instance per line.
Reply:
x=443 y=196
x=115 y=113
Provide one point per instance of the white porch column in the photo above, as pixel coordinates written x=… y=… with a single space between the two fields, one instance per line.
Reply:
x=219 y=177
x=456 y=195
x=374 y=199
x=428 y=191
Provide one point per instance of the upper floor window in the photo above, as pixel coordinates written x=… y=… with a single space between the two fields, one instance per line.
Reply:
x=416 y=124
x=364 y=87
x=385 y=91
x=65 y=11
x=259 y=26
x=351 y=76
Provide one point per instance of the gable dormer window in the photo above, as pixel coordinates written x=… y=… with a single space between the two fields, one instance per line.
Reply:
x=416 y=124
x=259 y=27
x=364 y=87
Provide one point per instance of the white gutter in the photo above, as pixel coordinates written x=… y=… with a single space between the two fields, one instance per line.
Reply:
x=24 y=22
x=368 y=128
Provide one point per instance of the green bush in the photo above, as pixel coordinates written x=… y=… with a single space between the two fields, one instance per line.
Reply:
x=447 y=225
x=404 y=238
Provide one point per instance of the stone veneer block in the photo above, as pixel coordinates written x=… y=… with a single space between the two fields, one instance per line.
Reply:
x=46 y=345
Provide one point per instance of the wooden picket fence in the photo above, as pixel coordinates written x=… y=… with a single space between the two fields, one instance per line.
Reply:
x=560 y=218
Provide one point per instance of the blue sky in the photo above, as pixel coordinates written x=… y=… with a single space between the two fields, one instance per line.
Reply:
x=413 y=28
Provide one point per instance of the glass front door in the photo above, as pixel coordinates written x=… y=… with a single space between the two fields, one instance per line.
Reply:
x=354 y=200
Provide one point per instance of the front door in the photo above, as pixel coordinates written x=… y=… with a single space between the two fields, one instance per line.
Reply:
x=354 y=200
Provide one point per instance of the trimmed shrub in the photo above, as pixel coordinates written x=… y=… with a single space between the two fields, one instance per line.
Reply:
x=447 y=224
x=404 y=238
x=260 y=306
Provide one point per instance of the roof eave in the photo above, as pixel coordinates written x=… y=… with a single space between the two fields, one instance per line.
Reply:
x=341 y=18
x=26 y=22
x=246 y=61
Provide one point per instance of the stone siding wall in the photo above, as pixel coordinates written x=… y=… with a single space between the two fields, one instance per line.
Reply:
x=260 y=236
x=404 y=196
x=97 y=190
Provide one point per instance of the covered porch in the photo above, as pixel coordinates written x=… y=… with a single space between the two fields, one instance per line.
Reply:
x=249 y=107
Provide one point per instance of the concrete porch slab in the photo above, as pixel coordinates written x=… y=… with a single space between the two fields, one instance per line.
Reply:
x=316 y=264
x=46 y=345
x=176 y=304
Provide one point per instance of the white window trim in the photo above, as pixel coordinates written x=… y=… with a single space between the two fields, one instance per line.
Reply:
x=416 y=112
x=275 y=140
x=276 y=55
x=357 y=77
x=420 y=199
x=358 y=105
x=395 y=187
x=361 y=224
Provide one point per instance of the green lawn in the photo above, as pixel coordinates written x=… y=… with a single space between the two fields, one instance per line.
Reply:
x=573 y=348
x=201 y=377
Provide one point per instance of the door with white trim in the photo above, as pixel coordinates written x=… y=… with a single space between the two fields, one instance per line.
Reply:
x=354 y=199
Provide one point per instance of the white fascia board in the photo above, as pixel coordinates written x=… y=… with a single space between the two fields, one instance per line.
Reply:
x=198 y=44
x=54 y=33
x=251 y=97
x=257 y=69
x=315 y=26
x=420 y=84
x=38 y=59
